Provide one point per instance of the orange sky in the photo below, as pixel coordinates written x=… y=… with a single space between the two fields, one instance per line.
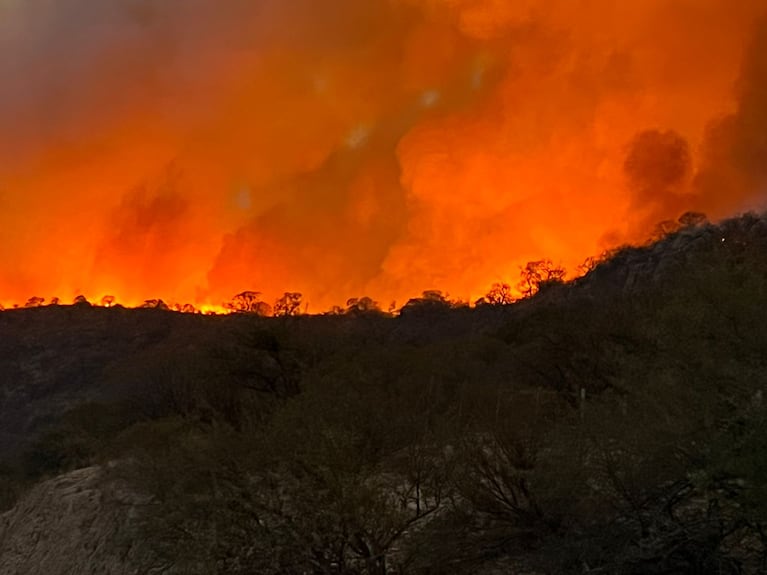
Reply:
x=191 y=149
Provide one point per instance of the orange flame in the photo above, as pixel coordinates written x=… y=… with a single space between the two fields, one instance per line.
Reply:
x=190 y=150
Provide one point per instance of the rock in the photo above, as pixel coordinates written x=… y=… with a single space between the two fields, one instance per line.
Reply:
x=76 y=524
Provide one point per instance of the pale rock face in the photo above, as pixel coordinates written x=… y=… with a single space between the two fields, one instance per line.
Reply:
x=76 y=524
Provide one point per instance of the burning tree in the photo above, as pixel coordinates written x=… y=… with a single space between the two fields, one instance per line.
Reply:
x=589 y=264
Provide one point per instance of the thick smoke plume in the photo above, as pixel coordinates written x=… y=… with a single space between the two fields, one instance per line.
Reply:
x=191 y=149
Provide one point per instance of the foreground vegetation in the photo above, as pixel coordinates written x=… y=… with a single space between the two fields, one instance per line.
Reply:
x=611 y=425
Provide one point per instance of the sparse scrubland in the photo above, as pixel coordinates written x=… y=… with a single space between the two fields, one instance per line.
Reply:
x=614 y=424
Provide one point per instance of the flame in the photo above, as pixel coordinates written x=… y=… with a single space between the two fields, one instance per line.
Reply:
x=190 y=150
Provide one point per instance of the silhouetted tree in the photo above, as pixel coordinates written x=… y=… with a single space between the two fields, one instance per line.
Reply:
x=289 y=304
x=499 y=294
x=34 y=301
x=430 y=300
x=434 y=295
x=249 y=302
x=81 y=300
x=589 y=265
x=539 y=275
x=108 y=300
x=54 y=301
x=155 y=304
x=362 y=305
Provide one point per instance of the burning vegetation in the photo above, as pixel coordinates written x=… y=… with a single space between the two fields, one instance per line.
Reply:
x=187 y=150
x=612 y=424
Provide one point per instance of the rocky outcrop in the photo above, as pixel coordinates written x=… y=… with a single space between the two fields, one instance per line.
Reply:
x=75 y=524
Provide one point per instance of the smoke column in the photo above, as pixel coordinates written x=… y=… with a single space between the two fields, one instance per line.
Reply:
x=191 y=149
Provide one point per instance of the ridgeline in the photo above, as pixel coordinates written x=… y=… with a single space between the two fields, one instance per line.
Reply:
x=612 y=424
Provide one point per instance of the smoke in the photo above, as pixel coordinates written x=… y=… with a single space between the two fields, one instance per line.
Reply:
x=658 y=167
x=734 y=163
x=189 y=149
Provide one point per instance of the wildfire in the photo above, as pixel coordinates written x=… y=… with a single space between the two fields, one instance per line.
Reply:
x=187 y=151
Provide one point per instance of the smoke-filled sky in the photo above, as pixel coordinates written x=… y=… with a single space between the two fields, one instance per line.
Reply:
x=192 y=149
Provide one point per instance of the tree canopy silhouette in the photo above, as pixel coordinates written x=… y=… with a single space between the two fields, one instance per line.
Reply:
x=540 y=275
x=249 y=302
x=287 y=305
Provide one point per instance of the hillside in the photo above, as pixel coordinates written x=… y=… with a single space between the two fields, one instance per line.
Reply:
x=613 y=424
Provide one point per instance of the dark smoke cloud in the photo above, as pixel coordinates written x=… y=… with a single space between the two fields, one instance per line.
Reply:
x=147 y=231
x=658 y=168
x=734 y=169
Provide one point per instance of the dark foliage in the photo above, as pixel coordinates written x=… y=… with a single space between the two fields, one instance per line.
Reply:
x=615 y=424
